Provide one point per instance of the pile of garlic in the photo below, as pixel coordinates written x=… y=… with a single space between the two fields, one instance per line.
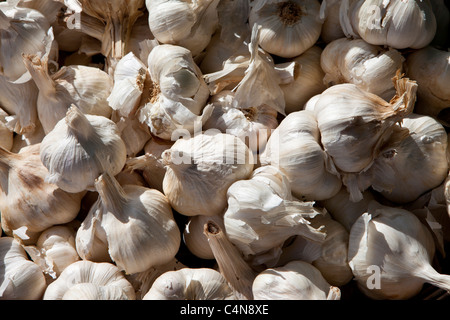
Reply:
x=224 y=150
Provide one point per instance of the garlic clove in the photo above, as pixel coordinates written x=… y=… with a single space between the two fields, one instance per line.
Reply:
x=6 y=135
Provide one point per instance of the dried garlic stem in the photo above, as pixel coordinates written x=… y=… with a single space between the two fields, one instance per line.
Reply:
x=231 y=263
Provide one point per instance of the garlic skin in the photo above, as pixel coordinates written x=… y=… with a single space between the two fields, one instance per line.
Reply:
x=331 y=28
x=308 y=80
x=190 y=284
x=80 y=148
x=155 y=238
x=200 y=169
x=86 y=87
x=87 y=280
x=183 y=23
x=369 y=66
x=397 y=24
x=22 y=279
x=297 y=280
x=27 y=202
x=418 y=160
x=430 y=68
x=6 y=135
x=294 y=147
x=390 y=253
x=289 y=28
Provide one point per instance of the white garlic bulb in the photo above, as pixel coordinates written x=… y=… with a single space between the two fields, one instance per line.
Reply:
x=155 y=238
x=331 y=28
x=391 y=252
x=21 y=279
x=80 y=148
x=398 y=24
x=200 y=169
x=86 y=87
x=295 y=148
x=29 y=204
x=308 y=80
x=297 y=280
x=190 y=284
x=369 y=66
x=289 y=27
x=184 y=23
x=179 y=92
x=418 y=160
x=87 y=280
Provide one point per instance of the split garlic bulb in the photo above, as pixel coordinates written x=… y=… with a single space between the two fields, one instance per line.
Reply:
x=86 y=87
x=154 y=238
x=21 y=279
x=308 y=80
x=261 y=215
x=289 y=27
x=179 y=93
x=29 y=204
x=354 y=124
x=80 y=148
x=390 y=253
x=190 y=284
x=87 y=280
x=297 y=280
x=200 y=169
x=418 y=160
x=184 y=23
x=398 y=24
x=295 y=148
x=369 y=66
x=430 y=67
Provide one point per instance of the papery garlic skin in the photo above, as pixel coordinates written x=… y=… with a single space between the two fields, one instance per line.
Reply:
x=297 y=280
x=190 y=284
x=294 y=147
x=331 y=28
x=368 y=66
x=104 y=281
x=418 y=160
x=200 y=169
x=6 y=135
x=398 y=24
x=22 y=279
x=289 y=28
x=80 y=148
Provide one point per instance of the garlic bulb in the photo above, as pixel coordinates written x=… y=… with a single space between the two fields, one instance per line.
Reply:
x=190 y=284
x=308 y=80
x=261 y=215
x=430 y=67
x=418 y=160
x=390 y=253
x=54 y=249
x=87 y=280
x=179 y=92
x=80 y=148
x=200 y=169
x=29 y=204
x=155 y=237
x=183 y=23
x=398 y=24
x=354 y=124
x=289 y=27
x=369 y=66
x=252 y=125
x=294 y=147
x=21 y=279
x=6 y=135
x=331 y=28
x=86 y=87
x=297 y=280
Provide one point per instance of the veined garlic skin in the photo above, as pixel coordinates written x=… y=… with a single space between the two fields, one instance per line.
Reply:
x=297 y=280
x=87 y=280
x=80 y=148
x=22 y=279
x=289 y=28
x=368 y=66
x=200 y=169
